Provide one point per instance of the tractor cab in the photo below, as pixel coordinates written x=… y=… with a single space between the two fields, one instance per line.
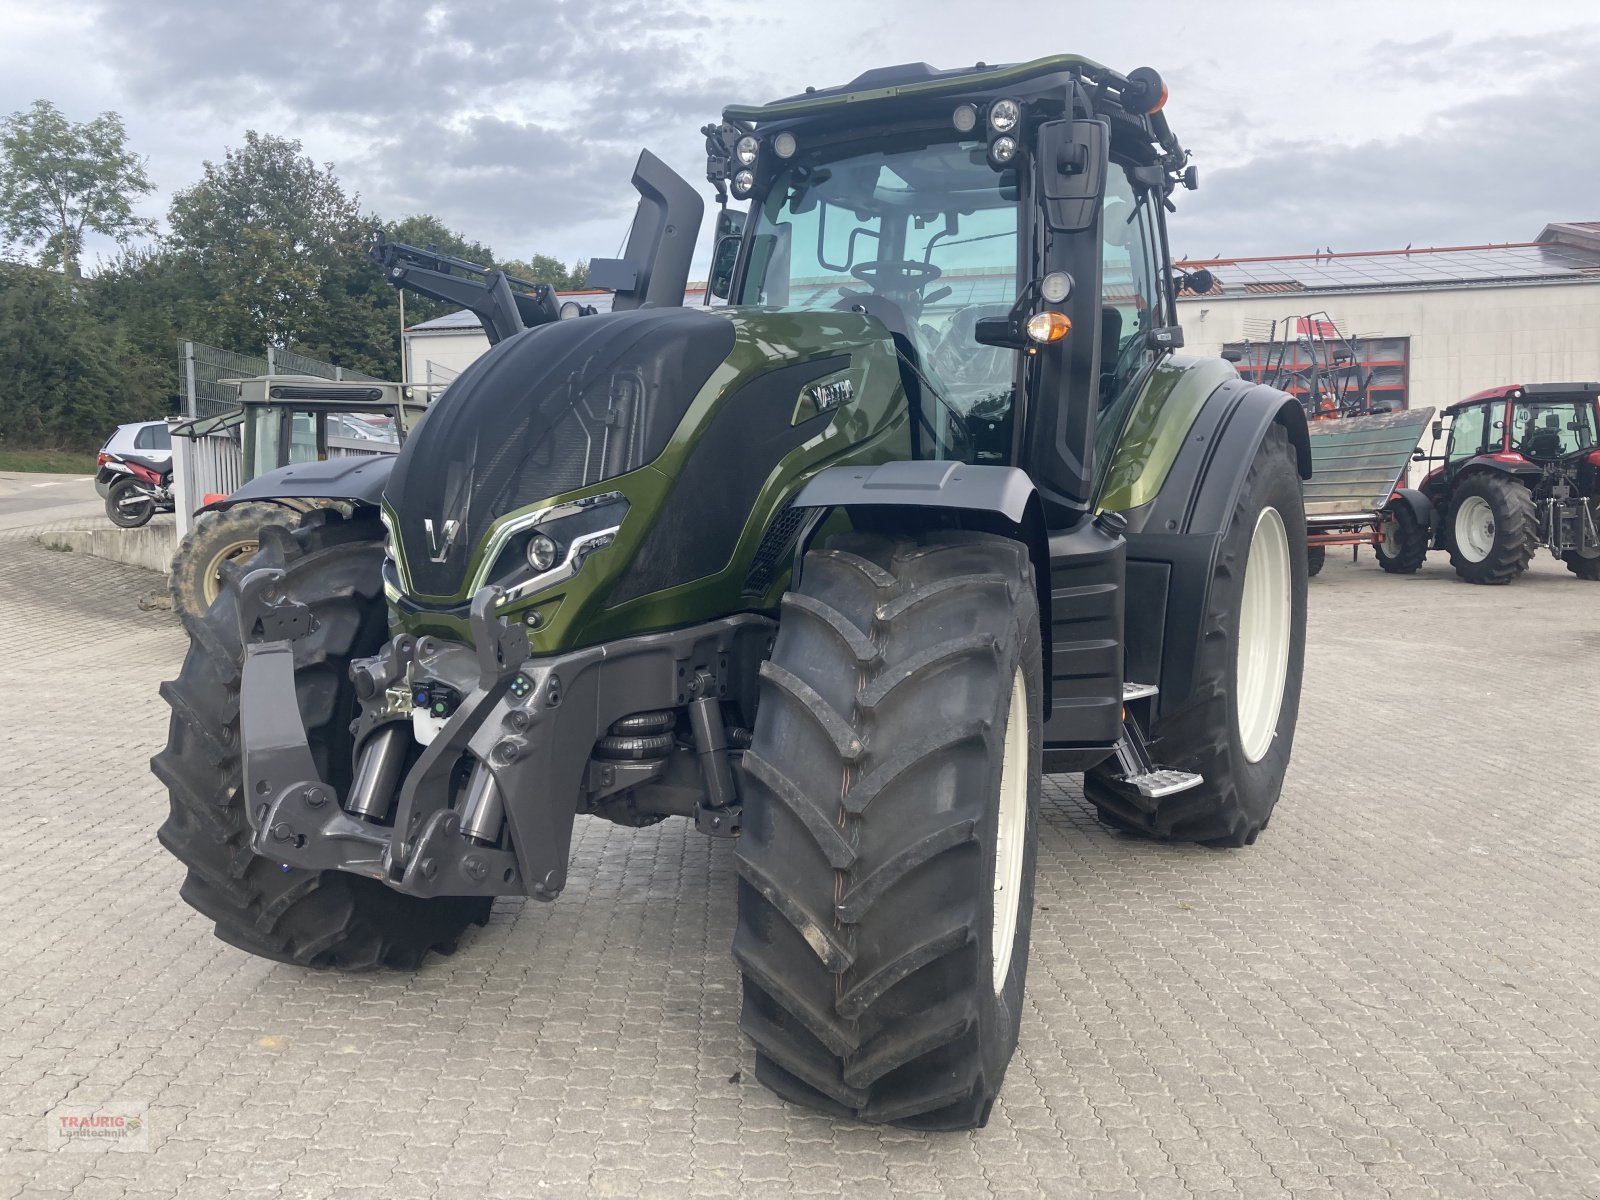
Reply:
x=983 y=217
x=1519 y=429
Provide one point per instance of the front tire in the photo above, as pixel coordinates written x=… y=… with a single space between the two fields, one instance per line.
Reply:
x=887 y=855
x=1236 y=729
x=1404 y=545
x=1493 y=528
x=291 y=915
x=128 y=505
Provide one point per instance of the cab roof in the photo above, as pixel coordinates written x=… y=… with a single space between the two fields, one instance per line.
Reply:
x=912 y=79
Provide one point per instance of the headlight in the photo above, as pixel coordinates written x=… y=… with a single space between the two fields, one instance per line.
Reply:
x=1055 y=287
x=388 y=544
x=1004 y=115
x=784 y=145
x=569 y=310
x=744 y=183
x=541 y=552
x=746 y=149
x=1003 y=149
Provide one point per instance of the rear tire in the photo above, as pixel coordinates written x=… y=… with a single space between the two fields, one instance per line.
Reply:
x=1583 y=568
x=1404 y=546
x=1316 y=557
x=127 y=506
x=1493 y=528
x=218 y=538
x=891 y=787
x=1226 y=732
x=308 y=918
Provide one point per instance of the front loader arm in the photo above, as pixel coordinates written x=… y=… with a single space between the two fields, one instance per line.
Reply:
x=505 y=304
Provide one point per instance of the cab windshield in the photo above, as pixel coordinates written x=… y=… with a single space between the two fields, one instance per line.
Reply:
x=1543 y=430
x=924 y=238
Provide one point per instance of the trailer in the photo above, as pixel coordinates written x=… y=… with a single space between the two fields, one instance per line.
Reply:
x=1356 y=494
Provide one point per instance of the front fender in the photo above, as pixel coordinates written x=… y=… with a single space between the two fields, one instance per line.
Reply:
x=357 y=479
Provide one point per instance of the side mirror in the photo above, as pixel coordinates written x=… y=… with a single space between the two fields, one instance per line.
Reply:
x=1199 y=282
x=999 y=331
x=1233 y=356
x=1072 y=161
x=1438 y=430
x=723 y=260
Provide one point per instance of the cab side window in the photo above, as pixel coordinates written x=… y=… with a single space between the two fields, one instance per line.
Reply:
x=1467 y=428
x=1130 y=288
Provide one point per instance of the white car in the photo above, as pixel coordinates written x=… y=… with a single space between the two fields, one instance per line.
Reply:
x=148 y=439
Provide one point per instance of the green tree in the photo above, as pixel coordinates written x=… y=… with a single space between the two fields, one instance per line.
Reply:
x=256 y=237
x=66 y=377
x=541 y=268
x=59 y=178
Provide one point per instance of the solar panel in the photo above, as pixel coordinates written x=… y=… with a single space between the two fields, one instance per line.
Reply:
x=1430 y=267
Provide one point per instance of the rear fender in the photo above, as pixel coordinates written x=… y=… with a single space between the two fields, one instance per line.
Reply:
x=1173 y=541
x=1421 y=506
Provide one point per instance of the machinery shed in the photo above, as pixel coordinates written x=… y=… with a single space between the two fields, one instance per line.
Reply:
x=1431 y=324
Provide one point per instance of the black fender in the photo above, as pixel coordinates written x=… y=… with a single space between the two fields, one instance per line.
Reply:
x=1523 y=470
x=358 y=479
x=997 y=499
x=1078 y=572
x=1420 y=505
x=1173 y=541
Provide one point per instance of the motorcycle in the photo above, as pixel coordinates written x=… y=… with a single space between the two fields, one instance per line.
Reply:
x=141 y=488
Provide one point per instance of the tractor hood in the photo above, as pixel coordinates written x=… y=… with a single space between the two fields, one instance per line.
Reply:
x=548 y=411
x=568 y=405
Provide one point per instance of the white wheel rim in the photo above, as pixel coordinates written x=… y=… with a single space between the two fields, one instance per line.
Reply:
x=1474 y=528
x=1262 y=664
x=1011 y=832
x=1391 y=539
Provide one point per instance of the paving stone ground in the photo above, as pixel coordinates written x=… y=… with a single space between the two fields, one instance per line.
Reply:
x=1394 y=993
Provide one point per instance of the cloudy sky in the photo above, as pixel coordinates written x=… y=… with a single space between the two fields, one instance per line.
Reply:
x=1355 y=125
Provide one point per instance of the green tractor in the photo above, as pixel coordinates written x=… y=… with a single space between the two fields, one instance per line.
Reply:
x=933 y=506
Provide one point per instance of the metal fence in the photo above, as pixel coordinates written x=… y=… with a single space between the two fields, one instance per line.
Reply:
x=202 y=368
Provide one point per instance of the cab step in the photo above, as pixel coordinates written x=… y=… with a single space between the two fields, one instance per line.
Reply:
x=1133 y=752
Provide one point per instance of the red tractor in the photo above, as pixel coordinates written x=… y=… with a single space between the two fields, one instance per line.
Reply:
x=1521 y=470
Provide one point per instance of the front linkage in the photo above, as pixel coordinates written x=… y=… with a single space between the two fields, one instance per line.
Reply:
x=512 y=746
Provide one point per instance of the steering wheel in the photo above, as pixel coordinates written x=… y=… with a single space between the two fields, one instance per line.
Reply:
x=912 y=272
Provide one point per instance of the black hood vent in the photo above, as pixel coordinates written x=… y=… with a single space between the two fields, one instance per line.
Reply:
x=556 y=408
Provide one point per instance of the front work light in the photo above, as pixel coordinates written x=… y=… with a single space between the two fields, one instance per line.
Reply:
x=784 y=145
x=1002 y=149
x=744 y=182
x=1049 y=326
x=569 y=310
x=965 y=118
x=746 y=149
x=1004 y=115
x=1055 y=287
x=541 y=552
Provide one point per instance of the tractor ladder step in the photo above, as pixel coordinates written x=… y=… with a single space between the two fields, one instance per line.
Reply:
x=1160 y=782
x=1133 y=752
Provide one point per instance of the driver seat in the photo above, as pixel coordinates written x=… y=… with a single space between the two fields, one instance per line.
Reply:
x=1544 y=442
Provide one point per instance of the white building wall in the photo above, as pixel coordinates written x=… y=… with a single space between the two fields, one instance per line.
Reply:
x=1463 y=339
x=452 y=350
